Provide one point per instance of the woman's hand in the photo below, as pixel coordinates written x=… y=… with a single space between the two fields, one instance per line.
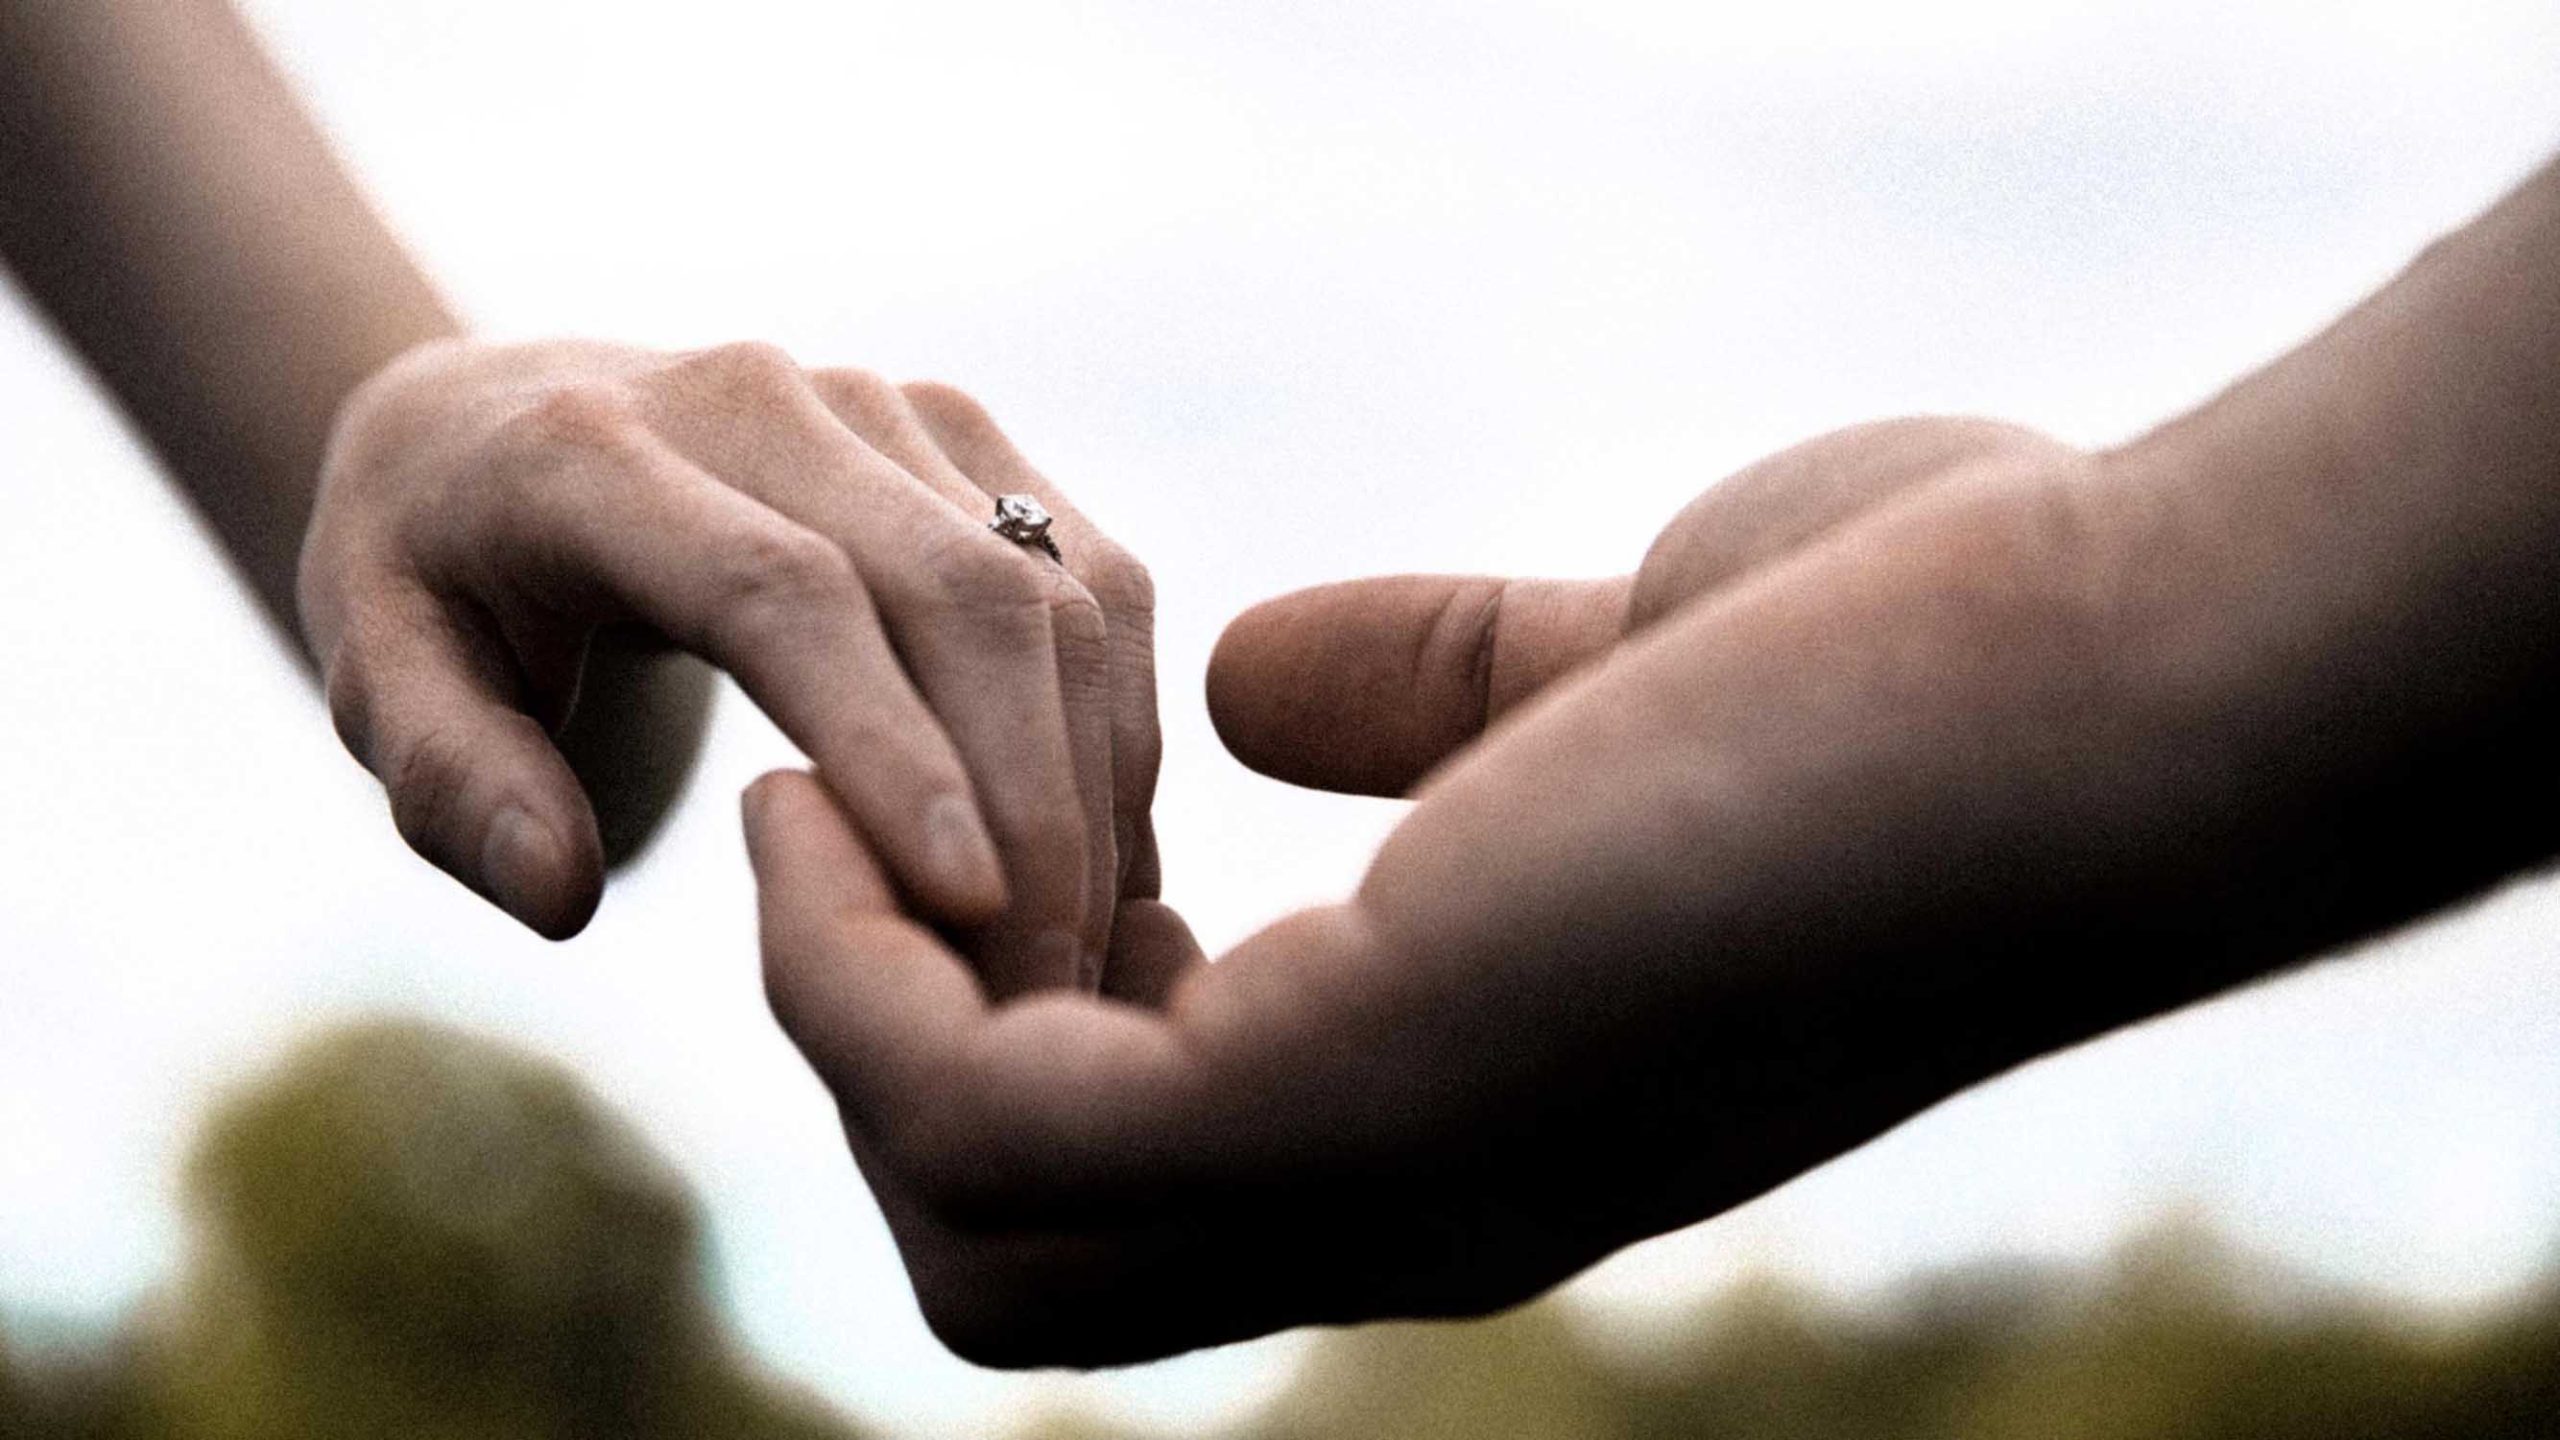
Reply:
x=985 y=713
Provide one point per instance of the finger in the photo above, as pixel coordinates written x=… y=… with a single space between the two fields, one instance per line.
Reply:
x=1363 y=687
x=869 y=996
x=962 y=430
x=1056 y=1172
x=974 y=621
x=1078 y=632
x=475 y=784
x=649 y=536
x=1152 y=954
x=1792 y=498
x=970 y=1107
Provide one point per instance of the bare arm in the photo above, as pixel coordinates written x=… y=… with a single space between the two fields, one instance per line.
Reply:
x=169 y=205
x=1907 y=755
x=172 y=209
x=484 y=550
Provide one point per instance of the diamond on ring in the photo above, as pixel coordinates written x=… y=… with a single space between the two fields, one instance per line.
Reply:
x=1024 y=521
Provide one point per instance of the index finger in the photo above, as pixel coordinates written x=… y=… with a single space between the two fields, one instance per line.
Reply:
x=1034 y=1107
x=869 y=996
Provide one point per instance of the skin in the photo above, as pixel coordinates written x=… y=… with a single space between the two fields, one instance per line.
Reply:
x=1905 y=756
x=819 y=534
x=495 y=555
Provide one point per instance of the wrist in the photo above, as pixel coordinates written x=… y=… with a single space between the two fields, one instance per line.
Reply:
x=2342 y=588
x=2372 y=522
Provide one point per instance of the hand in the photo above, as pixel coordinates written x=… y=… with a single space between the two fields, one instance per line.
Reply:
x=985 y=714
x=1906 y=756
x=1832 y=808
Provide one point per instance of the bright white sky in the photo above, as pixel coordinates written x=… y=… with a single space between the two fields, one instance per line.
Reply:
x=1285 y=293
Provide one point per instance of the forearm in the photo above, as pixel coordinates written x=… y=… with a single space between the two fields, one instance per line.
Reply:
x=2342 y=586
x=2267 y=681
x=171 y=208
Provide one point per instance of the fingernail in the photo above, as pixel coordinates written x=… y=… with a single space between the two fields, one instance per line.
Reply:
x=518 y=862
x=957 y=847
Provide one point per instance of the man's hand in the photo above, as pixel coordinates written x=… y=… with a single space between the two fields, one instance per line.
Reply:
x=1907 y=755
x=1747 y=870
x=985 y=713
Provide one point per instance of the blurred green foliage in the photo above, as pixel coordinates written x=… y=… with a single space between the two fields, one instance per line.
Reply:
x=409 y=1232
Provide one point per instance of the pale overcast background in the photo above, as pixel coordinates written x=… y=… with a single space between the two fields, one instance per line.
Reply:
x=1284 y=293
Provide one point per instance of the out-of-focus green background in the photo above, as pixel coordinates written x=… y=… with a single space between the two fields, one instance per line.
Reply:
x=408 y=1231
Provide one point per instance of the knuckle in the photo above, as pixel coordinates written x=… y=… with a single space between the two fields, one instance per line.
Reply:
x=982 y=576
x=1120 y=581
x=948 y=406
x=349 y=689
x=859 y=393
x=1076 y=618
x=769 y=577
x=743 y=369
x=577 y=416
x=426 y=775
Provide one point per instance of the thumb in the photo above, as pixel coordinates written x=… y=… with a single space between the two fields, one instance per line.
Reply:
x=1362 y=687
x=475 y=784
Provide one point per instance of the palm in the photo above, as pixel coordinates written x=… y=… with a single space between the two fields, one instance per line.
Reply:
x=1560 y=1015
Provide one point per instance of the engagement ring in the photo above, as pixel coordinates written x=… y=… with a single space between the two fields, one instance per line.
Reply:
x=1025 y=521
